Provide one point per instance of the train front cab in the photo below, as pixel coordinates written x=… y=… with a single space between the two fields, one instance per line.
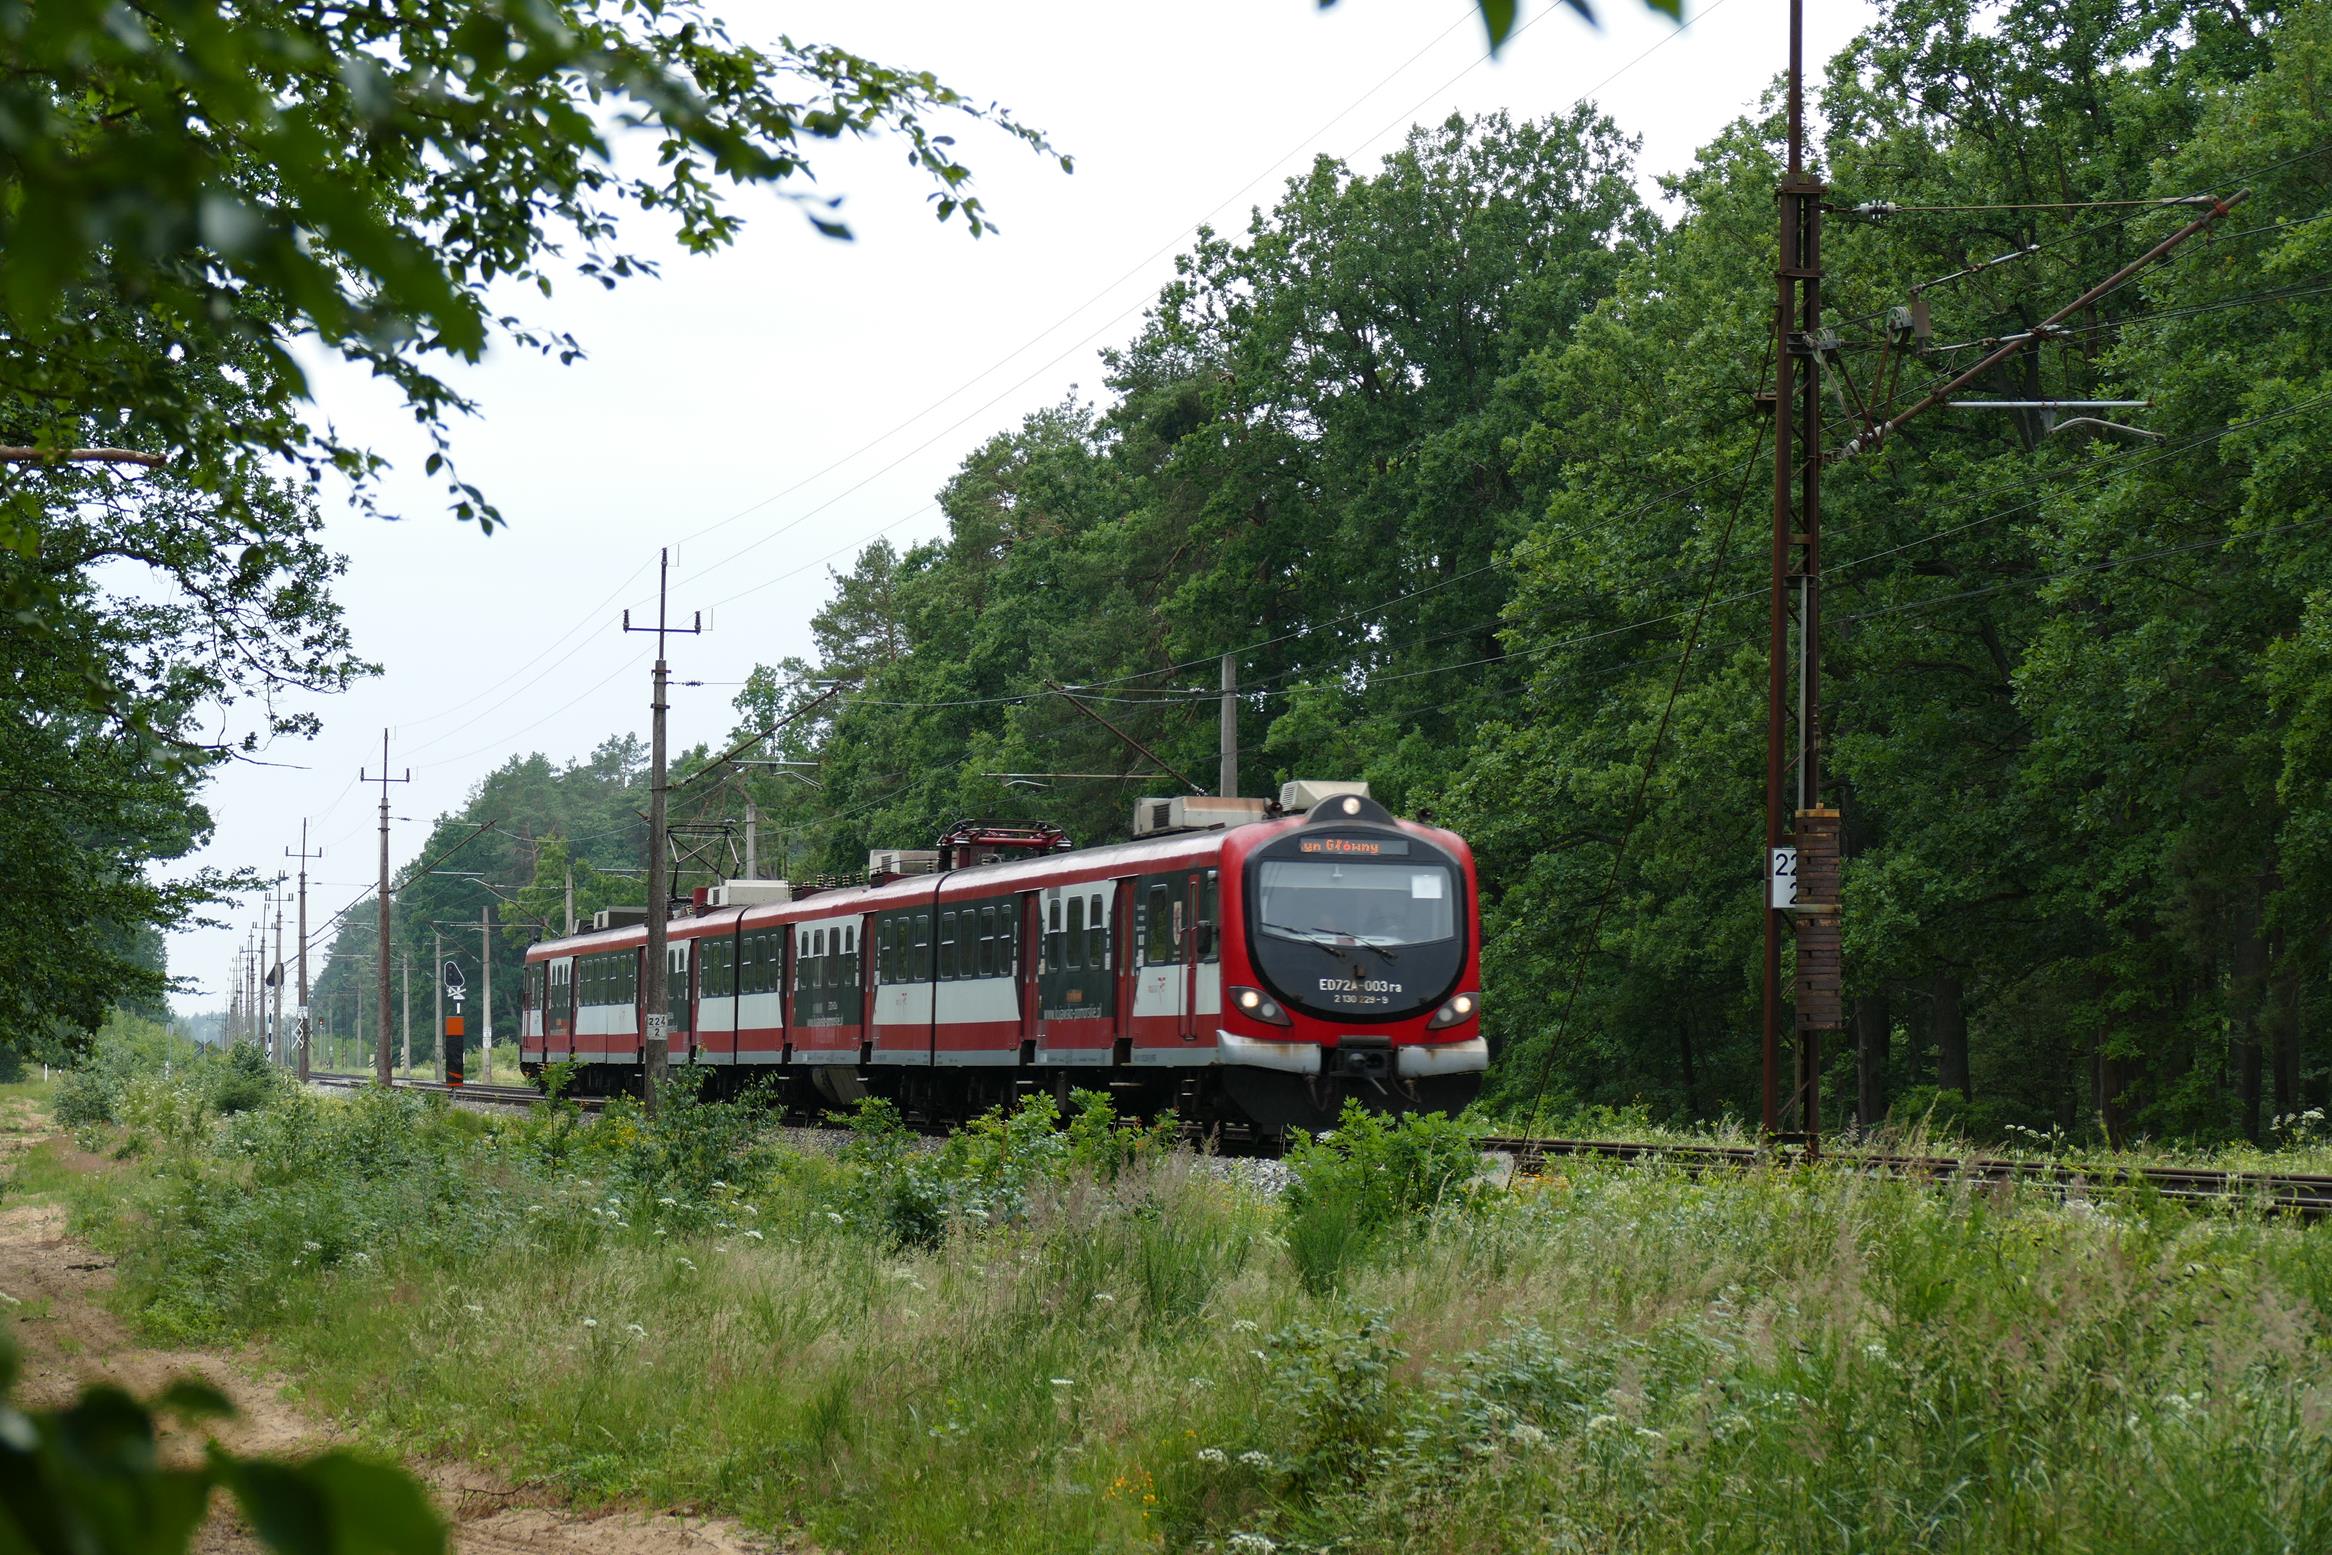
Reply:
x=1351 y=967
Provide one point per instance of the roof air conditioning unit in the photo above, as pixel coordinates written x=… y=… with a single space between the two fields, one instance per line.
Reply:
x=1303 y=793
x=749 y=893
x=902 y=861
x=1194 y=812
x=619 y=917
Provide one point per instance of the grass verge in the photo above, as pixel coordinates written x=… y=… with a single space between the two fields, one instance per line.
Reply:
x=1042 y=1338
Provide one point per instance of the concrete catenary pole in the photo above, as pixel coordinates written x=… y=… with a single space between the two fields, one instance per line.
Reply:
x=304 y=1017
x=380 y=1064
x=276 y=972
x=437 y=977
x=486 y=991
x=655 y=1010
x=1230 y=773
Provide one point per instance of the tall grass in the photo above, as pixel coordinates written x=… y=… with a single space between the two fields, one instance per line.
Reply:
x=1037 y=1339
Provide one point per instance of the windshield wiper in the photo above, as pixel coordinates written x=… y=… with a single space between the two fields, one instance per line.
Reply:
x=1333 y=939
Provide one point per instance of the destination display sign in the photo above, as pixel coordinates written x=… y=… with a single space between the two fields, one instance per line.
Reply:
x=1354 y=847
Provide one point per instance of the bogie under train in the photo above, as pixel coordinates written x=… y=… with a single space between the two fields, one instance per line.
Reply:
x=1249 y=968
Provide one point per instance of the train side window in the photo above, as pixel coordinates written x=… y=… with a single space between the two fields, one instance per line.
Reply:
x=987 y=942
x=1051 y=952
x=850 y=958
x=1076 y=935
x=1158 y=947
x=919 y=961
x=947 y=956
x=1208 y=904
x=1096 y=937
x=886 y=934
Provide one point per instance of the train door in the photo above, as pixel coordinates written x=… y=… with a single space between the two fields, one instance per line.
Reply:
x=680 y=997
x=1030 y=949
x=1160 y=998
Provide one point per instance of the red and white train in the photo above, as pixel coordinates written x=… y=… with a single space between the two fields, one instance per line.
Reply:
x=1238 y=963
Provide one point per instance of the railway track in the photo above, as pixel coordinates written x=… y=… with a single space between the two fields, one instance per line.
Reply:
x=2303 y=1194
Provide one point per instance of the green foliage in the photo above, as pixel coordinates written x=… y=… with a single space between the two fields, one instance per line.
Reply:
x=89 y=1479
x=1623 y=1358
x=1354 y=1188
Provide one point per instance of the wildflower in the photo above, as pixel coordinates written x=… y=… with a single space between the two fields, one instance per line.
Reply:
x=591 y=1322
x=473 y=1309
x=687 y=1263
x=1649 y=1435
x=1062 y=1382
x=830 y=1215
x=1259 y=1461
x=750 y=1210
x=1250 y=1544
x=1242 y=1325
x=659 y=1231
x=1601 y=1422
x=718 y=1183
x=1105 y=1298
x=313 y=1247
x=1213 y=1457
x=669 y=1203
x=635 y=1330
x=755 y=1235
x=720 y=1247
x=1202 y=1382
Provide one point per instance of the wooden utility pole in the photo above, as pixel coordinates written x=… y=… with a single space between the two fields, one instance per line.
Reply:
x=380 y=1065
x=1795 y=593
x=656 y=1021
x=1230 y=772
x=302 y=1014
x=405 y=1026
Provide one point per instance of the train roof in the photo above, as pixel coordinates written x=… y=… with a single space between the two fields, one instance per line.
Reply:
x=972 y=880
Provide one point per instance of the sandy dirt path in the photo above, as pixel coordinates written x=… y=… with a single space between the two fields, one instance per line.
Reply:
x=54 y=1297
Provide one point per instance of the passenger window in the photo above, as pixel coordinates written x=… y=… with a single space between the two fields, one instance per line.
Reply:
x=1097 y=938
x=947 y=946
x=1158 y=925
x=1207 y=901
x=920 y=968
x=987 y=942
x=1076 y=936
x=1054 y=946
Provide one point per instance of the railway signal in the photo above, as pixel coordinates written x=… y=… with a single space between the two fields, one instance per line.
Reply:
x=456 y=989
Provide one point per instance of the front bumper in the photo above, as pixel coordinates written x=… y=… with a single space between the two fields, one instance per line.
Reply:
x=1412 y=1061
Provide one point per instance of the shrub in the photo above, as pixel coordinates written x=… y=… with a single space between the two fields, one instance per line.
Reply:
x=1351 y=1188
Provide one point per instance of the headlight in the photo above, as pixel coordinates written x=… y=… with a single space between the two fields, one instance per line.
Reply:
x=1461 y=1007
x=1258 y=1005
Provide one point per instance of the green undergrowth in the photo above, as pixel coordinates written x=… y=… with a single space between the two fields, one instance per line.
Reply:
x=1049 y=1336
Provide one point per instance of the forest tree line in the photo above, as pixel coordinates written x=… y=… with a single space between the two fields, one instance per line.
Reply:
x=1448 y=453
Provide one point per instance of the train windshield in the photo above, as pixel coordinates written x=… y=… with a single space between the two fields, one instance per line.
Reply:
x=1344 y=902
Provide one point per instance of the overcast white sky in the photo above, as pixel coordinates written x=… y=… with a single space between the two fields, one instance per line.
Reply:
x=768 y=410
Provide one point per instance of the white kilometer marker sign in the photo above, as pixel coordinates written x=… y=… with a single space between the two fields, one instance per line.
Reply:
x=1781 y=878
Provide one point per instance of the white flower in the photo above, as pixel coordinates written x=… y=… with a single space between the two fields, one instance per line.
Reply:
x=659 y=1231
x=1105 y=1298
x=473 y=1309
x=750 y=1210
x=591 y=1322
x=1062 y=1382
x=1213 y=1456
x=830 y=1215
x=1600 y=1422
x=755 y=1235
x=534 y=1209
x=313 y=1247
x=1256 y=1460
x=1242 y=1325
x=635 y=1330
x=1249 y=1544
x=718 y=1183
x=1202 y=1382
x=687 y=1262
x=669 y=1203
